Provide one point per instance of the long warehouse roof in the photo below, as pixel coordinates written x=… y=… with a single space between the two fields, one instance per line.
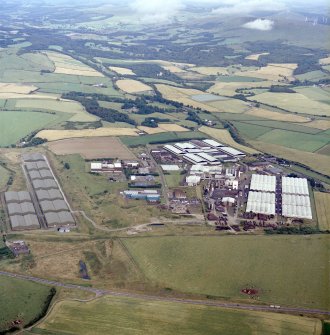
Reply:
x=261 y=203
x=297 y=211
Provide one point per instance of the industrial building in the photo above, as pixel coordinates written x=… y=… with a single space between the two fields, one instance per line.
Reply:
x=261 y=202
x=24 y=222
x=17 y=197
x=34 y=157
x=106 y=167
x=264 y=183
x=59 y=219
x=52 y=194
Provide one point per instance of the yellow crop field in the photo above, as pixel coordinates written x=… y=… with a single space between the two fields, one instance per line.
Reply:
x=54 y=135
x=210 y=71
x=316 y=161
x=132 y=86
x=325 y=61
x=27 y=96
x=229 y=89
x=294 y=102
x=67 y=65
x=322 y=202
x=286 y=117
x=173 y=68
x=163 y=128
x=319 y=124
x=122 y=70
x=223 y=135
x=183 y=95
x=78 y=112
x=275 y=72
x=17 y=88
x=256 y=56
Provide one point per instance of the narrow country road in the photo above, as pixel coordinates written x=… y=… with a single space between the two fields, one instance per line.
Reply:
x=100 y=292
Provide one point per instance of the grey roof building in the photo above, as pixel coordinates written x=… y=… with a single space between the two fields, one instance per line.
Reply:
x=36 y=166
x=52 y=194
x=17 y=197
x=34 y=175
x=44 y=184
x=21 y=222
x=20 y=208
x=34 y=157
x=58 y=219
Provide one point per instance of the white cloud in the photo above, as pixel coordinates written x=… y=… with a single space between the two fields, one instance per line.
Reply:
x=157 y=11
x=248 y=6
x=259 y=24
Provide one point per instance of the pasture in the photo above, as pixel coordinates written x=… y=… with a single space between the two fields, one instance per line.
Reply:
x=17 y=88
x=54 y=135
x=125 y=316
x=16 y=125
x=132 y=86
x=122 y=71
x=20 y=300
x=4 y=176
x=92 y=148
x=277 y=116
x=317 y=162
x=222 y=266
x=59 y=105
x=210 y=71
x=294 y=102
x=322 y=202
x=222 y=135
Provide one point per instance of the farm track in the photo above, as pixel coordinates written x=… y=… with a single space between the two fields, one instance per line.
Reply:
x=102 y=292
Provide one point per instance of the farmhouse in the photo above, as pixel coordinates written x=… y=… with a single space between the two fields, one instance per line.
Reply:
x=105 y=167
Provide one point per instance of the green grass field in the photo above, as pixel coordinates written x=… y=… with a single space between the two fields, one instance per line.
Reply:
x=322 y=202
x=173 y=179
x=16 y=125
x=125 y=316
x=300 y=141
x=4 y=176
x=21 y=300
x=288 y=270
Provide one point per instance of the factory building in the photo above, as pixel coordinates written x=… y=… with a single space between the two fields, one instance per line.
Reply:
x=149 y=195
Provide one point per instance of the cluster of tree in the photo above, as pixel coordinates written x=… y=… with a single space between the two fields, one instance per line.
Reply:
x=34 y=142
x=293 y=230
x=152 y=122
x=233 y=132
x=92 y=106
x=281 y=89
x=193 y=116
x=142 y=106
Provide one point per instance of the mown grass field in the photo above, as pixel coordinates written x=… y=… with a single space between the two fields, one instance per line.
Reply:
x=125 y=316
x=322 y=202
x=287 y=270
x=16 y=125
x=20 y=300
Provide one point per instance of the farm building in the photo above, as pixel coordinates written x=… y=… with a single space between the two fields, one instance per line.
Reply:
x=149 y=195
x=213 y=144
x=17 y=197
x=170 y=167
x=37 y=166
x=130 y=163
x=193 y=180
x=185 y=145
x=34 y=157
x=295 y=185
x=104 y=167
x=228 y=201
x=259 y=166
x=194 y=159
x=22 y=208
x=42 y=174
x=52 y=194
x=232 y=152
x=173 y=149
x=210 y=159
x=44 y=184
x=232 y=183
x=53 y=206
x=264 y=183
x=23 y=222
x=261 y=203
x=297 y=206
x=179 y=195
x=59 y=219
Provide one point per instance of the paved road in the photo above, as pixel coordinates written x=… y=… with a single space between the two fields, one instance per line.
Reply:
x=100 y=292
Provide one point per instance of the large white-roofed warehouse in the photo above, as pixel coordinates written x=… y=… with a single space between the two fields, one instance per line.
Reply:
x=295 y=185
x=261 y=203
x=263 y=183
